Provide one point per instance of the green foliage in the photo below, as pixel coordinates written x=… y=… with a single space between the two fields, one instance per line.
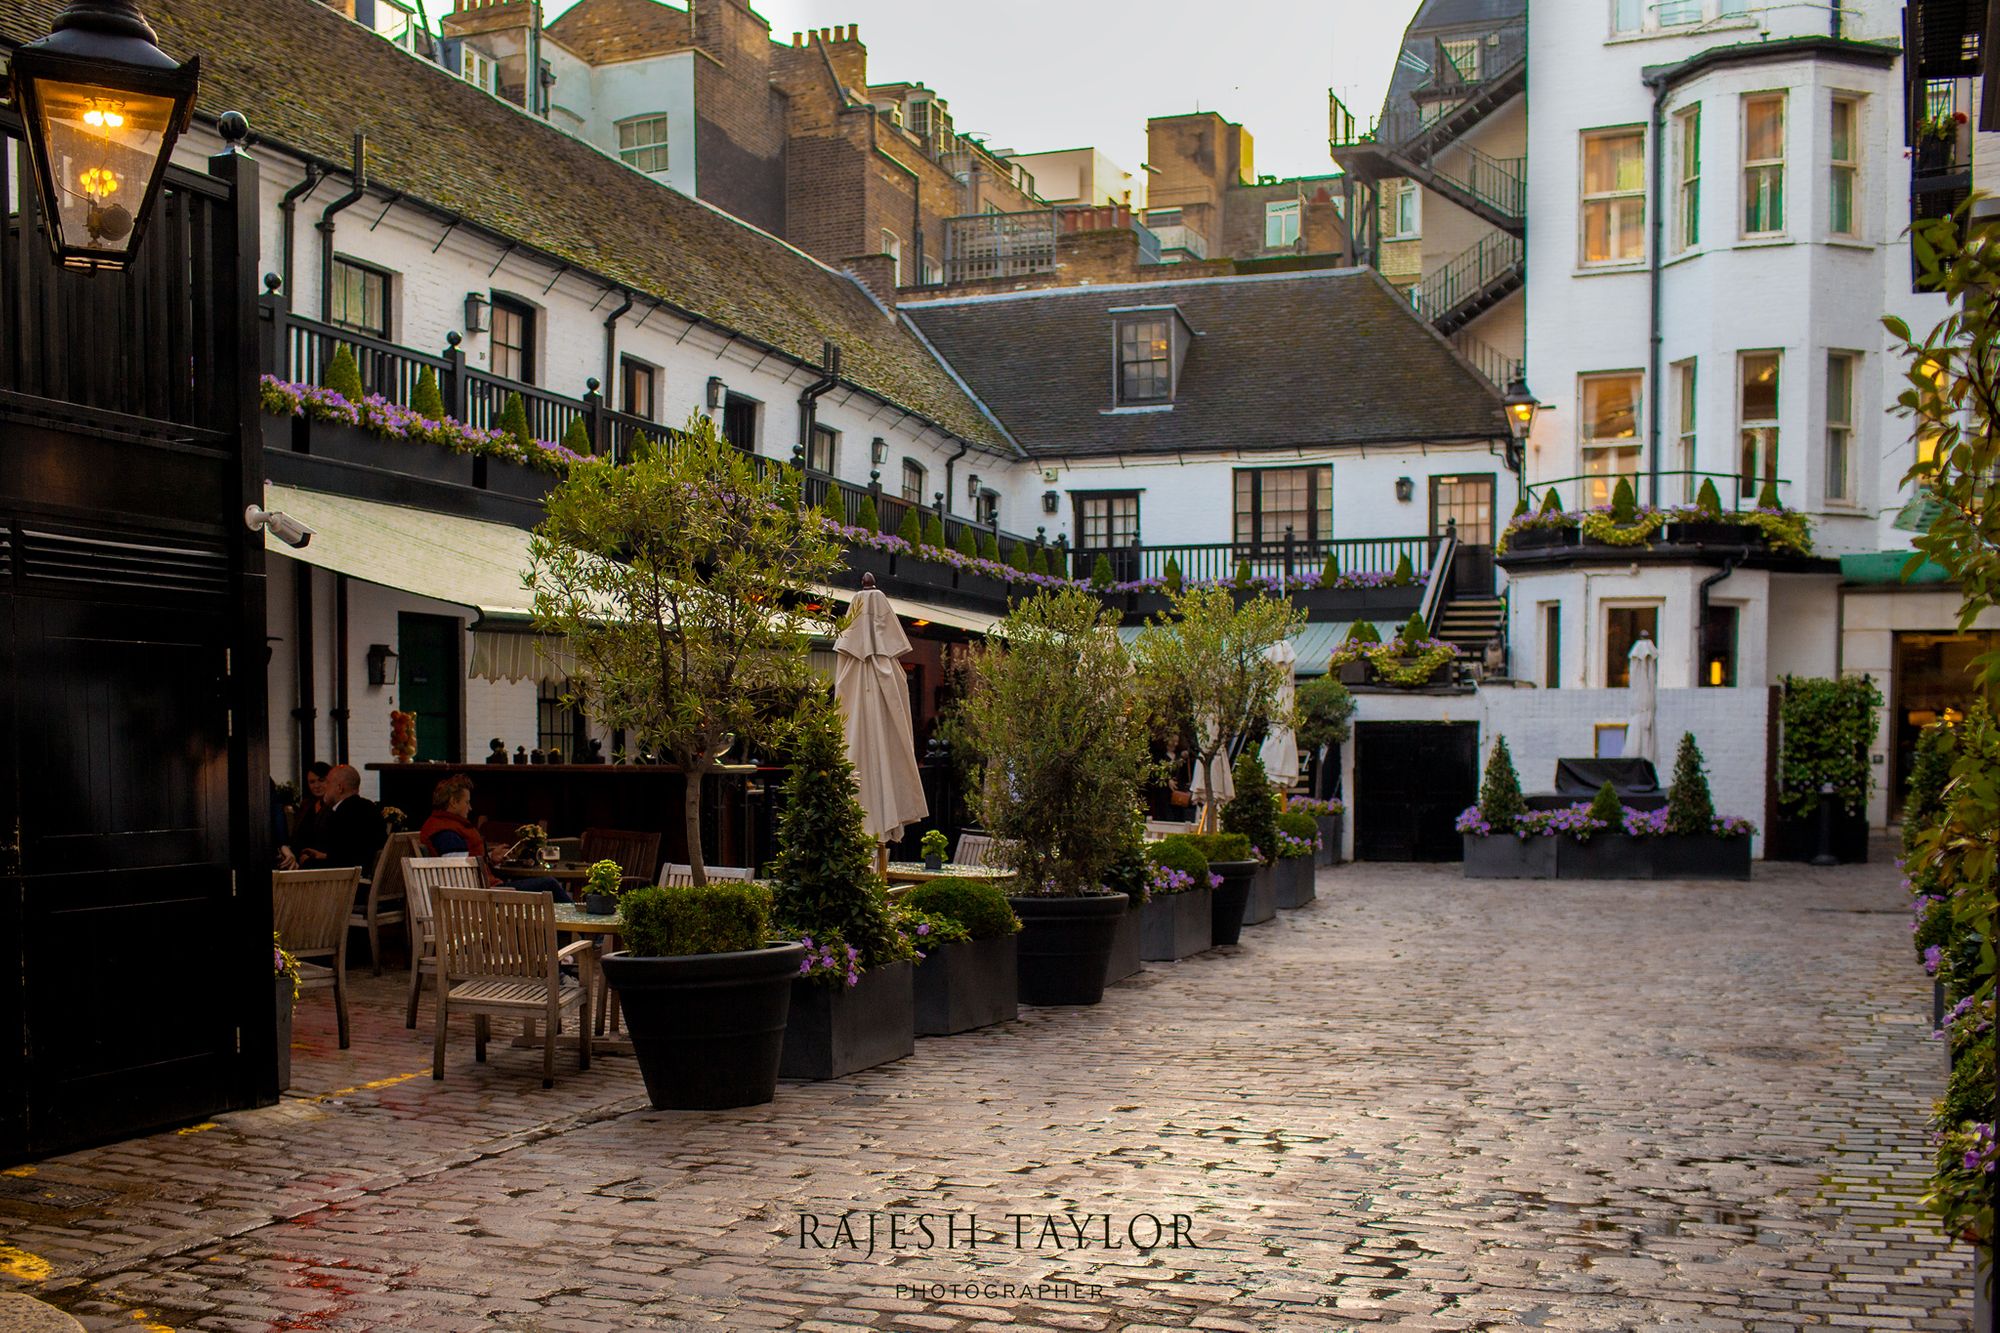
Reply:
x=989 y=546
x=1767 y=496
x=824 y=876
x=723 y=917
x=1324 y=707
x=911 y=529
x=1130 y=872
x=1048 y=709
x=934 y=843
x=1828 y=727
x=1178 y=851
x=640 y=446
x=514 y=422
x=1551 y=502
x=1606 y=807
x=967 y=544
x=1243 y=575
x=607 y=877
x=925 y=931
x=426 y=400
x=1101 y=573
x=1219 y=847
x=1707 y=500
x=1363 y=631
x=1414 y=629
x=1500 y=800
x=833 y=504
x=1038 y=561
x=979 y=905
x=1253 y=810
x=1930 y=769
x=1690 y=810
x=934 y=530
x=1017 y=556
x=1171 y=577
x=1624 y=504
x=1520 y=509
x=576 y=438
x=669 y=578
x=1329 y=573
x=1299 y=825
x=343 y=375
x=866 y=516
x=1404 y=575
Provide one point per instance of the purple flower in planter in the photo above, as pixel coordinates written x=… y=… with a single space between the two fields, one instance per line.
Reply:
x=1933 y=958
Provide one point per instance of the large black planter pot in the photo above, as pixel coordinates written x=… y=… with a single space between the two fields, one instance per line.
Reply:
x=505 y=478
x=1295 y=881
x=1329 y=839
x=1065 y=946
x=1700 y=856
x=1793 y=838
x=1606 y=856
x=1176 y=925
x=412 y=458
x=707 y=1028
x=1504 y=856
x=1125 y=959
x=834 y=1031
x=960 y=987
x=1232 y=896
x=1262 y=904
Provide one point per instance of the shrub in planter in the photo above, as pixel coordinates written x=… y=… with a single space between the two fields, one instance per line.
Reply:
x=343 y=375
x=989 y=547
x=1178 y=919
x=866 y=516
x=911 y=529
x=934 y=847
x=1130 y=873
x=285 y=973
x=966 y=974
x=967 y=544
x=705 y=993
x=1231 y=869
x=1690 y=842
x=1404 y=575
x=1102 y=575
x=934 y=531
x=1253 y=810
x=514 y=422
x=1298 y=848
x=427 y=400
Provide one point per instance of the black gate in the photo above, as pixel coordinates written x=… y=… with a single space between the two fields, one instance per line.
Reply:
x=134 y=840
x=1411 y=782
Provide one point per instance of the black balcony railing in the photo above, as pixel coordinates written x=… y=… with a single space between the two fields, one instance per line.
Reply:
x=1226 y=561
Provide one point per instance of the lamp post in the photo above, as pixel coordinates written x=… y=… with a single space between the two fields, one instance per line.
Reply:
x=1521 y=406
x=102 y=106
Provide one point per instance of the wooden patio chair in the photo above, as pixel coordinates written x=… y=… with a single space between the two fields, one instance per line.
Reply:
x=423 y=876
x=383 y=904
x=676 y=874
x=975 y=849
x=310 y=909
x=637 y=854
x=497 y=954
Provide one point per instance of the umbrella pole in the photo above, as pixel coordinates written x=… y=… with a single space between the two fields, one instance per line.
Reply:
x=882 y=859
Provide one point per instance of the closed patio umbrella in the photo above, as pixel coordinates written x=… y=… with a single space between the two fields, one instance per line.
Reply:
x=1281 y=747
x=874 y=702
x=1640 y=728
x=1212 y=788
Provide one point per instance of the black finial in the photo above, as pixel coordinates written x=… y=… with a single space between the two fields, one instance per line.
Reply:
x=235 y=129
x=452 y=339
x=591 y=384
x=272 y=282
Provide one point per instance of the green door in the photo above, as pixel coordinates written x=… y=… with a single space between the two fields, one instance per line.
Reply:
x=427 y=658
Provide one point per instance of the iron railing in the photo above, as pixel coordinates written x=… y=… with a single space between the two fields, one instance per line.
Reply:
x=1498 y=368
x=1496 y=257
x=1223 y=561
x=1736 y=492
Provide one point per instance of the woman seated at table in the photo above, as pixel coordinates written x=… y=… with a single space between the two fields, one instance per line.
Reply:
x=451 y=831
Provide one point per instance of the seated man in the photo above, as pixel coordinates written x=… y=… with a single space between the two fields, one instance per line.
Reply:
x=450 y=831
x=351 y=833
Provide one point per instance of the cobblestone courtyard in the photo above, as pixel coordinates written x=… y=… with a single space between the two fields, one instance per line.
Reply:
x=1420 y=1103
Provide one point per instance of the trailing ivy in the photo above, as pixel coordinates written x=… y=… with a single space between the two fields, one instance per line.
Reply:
x=1828 y=727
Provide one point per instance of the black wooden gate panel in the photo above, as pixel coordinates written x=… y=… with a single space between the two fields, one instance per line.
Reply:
x=1411 y=782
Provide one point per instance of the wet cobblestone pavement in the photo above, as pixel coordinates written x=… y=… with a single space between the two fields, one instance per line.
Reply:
x=1419 y=1103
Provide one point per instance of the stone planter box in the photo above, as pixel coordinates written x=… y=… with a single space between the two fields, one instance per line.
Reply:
x=983 y=586
x=1606 y=856
x=869 y=560
x=412 y=458
x=1330 y=827
x=1504 y=856
x=1295 y=881
x=960 y=987
x=504 y=478
x=1125 y=957
x=1683 y=856
x=834 y=1031
x=1262 y=904
x=1177 y=925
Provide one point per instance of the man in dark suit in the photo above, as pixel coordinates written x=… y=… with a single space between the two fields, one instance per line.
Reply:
x=351 y=832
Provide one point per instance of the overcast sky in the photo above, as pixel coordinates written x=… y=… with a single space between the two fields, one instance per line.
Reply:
x=1032 y=75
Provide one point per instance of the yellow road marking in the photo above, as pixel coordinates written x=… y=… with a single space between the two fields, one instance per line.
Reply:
x=196 y=1129
x=140 y=1317
x=24 y=1266
x=371 y=1086
x=19 y=1171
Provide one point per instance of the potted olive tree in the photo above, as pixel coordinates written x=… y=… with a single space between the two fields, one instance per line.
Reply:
x=705 y=991
x=669 y=578
x=1500 y=841
x=1051 y=711
x=969 y=980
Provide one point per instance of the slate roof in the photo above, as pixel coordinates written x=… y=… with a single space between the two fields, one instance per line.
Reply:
x=308 y=78
x=1328 y=357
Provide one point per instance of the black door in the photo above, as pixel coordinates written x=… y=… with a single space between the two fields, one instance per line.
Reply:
x=427 y=653
x=1467 y=502
x=1411 y=782
x=1107 y=523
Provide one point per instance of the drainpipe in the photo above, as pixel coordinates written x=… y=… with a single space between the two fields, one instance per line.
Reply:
x=307 y=712
x=1654 y=277
x=1701 y=626
x=288 y=205
x=963 y=449
x=1834 y=22
x=339 y=713
x=325 y=225
x=611 y=347
x=829 y=377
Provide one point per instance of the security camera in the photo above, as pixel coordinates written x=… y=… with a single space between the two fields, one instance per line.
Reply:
x=279 y=524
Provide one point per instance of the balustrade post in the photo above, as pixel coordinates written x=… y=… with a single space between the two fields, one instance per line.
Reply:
x=454 y=389
x=274 y=342
x=593 y=406
x=875 y=494
x=1288 y=550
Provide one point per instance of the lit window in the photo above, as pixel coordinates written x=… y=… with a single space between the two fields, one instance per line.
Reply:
x=1624 y=626
x=1758 y=417
x=1614 y=196
x=1281 y=224
x=1610 y=432
x=1687 y=154
x=1764 y=165
x=1840 y=426
x=1145 y=361
x=513 y=340
x=359 y=298
x=1272 y=503
x=1843 y=167
x=1684 y=436
x=642 y=143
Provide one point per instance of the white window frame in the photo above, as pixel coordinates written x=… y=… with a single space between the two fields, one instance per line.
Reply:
x=1687 y=178
x=1763 y=167
x=1844 y=172
x=477 y=68
x=650 y=155
x=933 y=272
x=1840 y=415
x=892 y=246
x=827 y=435
x=912 y=468
x=1400 y=190
x=1631 y=18
x=1289 y=215
x=1687 y=417
x=1757 y=437
x=1615 y=202
x=1597 y=491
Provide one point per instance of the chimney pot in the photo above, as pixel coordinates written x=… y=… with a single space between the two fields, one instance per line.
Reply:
x=798 y=39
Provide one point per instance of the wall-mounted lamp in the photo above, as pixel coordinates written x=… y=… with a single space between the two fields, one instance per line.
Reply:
x=878 y=451
x=1406 y=490
x=972 y=486
x=717 y=393
x=475 y=312
x=1051 y=502
x=381 y=664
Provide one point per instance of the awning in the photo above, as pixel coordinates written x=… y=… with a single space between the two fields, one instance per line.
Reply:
x=441 y=556
x=972 y=622
x=1313 y=642
x=513 y=655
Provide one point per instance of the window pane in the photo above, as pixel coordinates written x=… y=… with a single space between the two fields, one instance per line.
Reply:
x=1760 y=387
x=1613 y=163
x=1611 y=407
x=1764 y=129
x=1843 y=130
x=1840 y=208
x=1627 y=15
x=913 y=482
x=1144 y=372
x=1623 y=626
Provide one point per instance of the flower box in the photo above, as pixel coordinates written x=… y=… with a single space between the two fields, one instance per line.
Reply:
x=1440 y=674
x=1528 y=539
x=964 y=986
x=1700 y=856
x=983 y=586
x=1712 y=532
x=1605 y=856
x=869 y=560
x=1176 y=925
x=282 y=433
x=505 y=478
x=412 y=458
x=1295 y=882
x=1262 y=904
x=1354 y=673
x=1505 y=856
x=1329 y=839
x=1125 y=957
x=834 y=1031
x=1146 y=604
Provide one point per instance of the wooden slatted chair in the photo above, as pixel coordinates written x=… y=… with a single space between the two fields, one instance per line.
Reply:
x=497 y=954
x=675 y=874
x=310 y=910
x=975 y=849
x=423 y=876
x=384 y=904
x=1165 y=828
x=637 y=854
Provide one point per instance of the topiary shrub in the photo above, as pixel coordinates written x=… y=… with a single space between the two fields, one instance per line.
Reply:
x=1243 y=574
x=824 y=873
x=1324 y=707
x=1521 y=507
x=722 y=917
x=1177 y=851
x=1038 y=562
x=1551 y=502
x=1404 y=575
x=911 y=529
x=1171 y=576
x=343 y=376
x=1219 y=847
x=1606 y=808
x=1363 y=631
x=833 y=504
x=1500 y=799
x=514 y=421
x=1101 y=576
x=1767 y=496
x=979 y=905
x=1300 y=826
x=1017 y=557
x=1624 y=504
x=989 y=547
x=1690 y=810
x=1414 y=629
x=967 y=544
x=576 y=439
x=1707 y=500
x=934 y=531
x=866 y=516
x=1253 y=810
x=426 y=400
x=1329 y=573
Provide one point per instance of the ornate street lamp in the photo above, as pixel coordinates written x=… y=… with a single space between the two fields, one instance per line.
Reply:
x=102 y=106
x=1520 y=405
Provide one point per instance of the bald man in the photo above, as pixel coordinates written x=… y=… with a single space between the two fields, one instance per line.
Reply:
x=351 y=832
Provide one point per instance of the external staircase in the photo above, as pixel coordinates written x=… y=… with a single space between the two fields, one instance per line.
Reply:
x=1470 y=623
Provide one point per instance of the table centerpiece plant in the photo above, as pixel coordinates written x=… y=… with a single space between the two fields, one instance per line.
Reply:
x=603 y=884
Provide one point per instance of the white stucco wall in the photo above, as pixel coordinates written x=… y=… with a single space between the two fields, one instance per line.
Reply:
x=657 y=85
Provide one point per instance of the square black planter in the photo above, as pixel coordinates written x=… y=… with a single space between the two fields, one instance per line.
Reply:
x=1177 y=925
x=1700 y=856
x=834 y=1031
x=983 y=587
x=506 y=478
x=1146 y=604
x=1504 y=856
x=868 y=560
x=1329 y=839
x=960 y=987
x=1263 y=903
x=412 y=458
x=1792 y=838
x=1606 y=856
x=1125 y=960
x=1354 y=673
x=286 y=433
x=1295 y=882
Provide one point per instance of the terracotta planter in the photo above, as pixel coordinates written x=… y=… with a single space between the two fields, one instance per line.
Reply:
x=836 y=1030
x=1177 y=925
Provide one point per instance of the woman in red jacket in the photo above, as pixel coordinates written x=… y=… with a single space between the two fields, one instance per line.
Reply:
x=450 y=832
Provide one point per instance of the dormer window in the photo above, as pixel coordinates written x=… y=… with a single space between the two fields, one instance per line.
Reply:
x=1145 y=360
